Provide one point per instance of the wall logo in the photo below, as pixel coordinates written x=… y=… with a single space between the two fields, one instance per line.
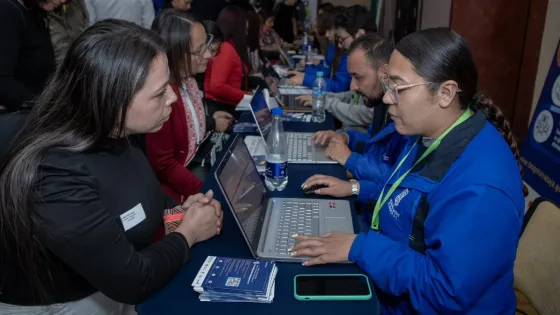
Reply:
x=556 y=92
x=543 y=126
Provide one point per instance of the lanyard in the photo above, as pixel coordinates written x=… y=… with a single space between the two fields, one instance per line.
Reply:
x=356 y=98
x=383 y=198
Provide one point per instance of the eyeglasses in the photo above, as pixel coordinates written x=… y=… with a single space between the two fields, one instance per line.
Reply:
x=393 y=89
x=207 y=46
x=340 y=39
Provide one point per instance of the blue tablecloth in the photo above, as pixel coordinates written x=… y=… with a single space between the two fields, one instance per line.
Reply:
x=178 y=297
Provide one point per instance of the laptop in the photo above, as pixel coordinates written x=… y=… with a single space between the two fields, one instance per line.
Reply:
x=301 y=149
x=267 y=224
x=286 y=96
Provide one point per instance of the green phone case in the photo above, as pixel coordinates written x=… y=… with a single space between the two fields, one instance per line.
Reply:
x=332 y=297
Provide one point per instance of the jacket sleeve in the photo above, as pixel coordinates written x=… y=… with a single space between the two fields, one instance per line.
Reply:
x=348 y=113
x=355 y=137
x=73 y=223
x=222 y=68
x=161 y=155
x=340 y=81
x=368 y=166
x=12 y=92
x=471 y=236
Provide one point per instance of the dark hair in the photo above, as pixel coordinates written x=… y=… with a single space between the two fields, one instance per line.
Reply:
x=266 y=14
x=175 y=27
x=440 y=54
x=354 y=18
x=232 y=21
x=81 y=108
x=254 y=30
x=326 y=7
x=213 y=29
x=378 y=49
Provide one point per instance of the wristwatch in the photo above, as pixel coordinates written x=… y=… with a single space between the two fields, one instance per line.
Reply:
x=355 y=189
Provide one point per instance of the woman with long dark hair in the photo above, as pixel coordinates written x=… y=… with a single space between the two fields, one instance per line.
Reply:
x=227 y=75
x=447 y=220
x=172 y=149
x=79 y=203
x=26 y=54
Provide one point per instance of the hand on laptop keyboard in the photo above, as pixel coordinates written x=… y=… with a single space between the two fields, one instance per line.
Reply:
x=305 y=100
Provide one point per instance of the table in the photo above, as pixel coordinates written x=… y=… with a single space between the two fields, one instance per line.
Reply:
x=178 y=297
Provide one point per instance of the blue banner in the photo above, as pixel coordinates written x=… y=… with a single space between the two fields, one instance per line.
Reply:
x=540 y=154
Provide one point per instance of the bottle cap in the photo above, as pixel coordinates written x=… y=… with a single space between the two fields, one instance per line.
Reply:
x=277 y=111
x=319 y=73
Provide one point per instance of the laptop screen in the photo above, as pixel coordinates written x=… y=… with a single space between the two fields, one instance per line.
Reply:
x=241 y=183
x=286 y=58
x=261 y=112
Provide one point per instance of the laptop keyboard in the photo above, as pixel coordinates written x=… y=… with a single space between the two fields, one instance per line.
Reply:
x=298 y=217
x=300 y=147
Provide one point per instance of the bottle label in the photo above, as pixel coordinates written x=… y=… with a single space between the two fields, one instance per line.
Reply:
x=277 y=170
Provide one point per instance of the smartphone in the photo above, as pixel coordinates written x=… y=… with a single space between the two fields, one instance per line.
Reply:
x=332 y=287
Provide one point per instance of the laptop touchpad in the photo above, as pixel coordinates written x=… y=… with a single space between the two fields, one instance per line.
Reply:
x=338 y=225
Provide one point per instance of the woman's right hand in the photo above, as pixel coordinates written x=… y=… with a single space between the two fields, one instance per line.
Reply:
x=223 y=121
x=203 y=218
x=335 y=187
x=324 y=137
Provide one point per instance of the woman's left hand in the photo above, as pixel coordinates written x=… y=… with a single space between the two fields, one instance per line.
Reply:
x=329 y=248
x=297 y=78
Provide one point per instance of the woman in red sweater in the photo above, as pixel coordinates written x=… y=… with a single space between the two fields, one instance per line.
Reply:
x=171 y=149
x=227 y=75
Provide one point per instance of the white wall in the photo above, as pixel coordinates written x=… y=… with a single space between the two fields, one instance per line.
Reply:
x=550 y=38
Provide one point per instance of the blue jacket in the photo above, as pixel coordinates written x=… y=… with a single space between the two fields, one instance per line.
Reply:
x=449 y=233
x=339 y=82
x=372 y=158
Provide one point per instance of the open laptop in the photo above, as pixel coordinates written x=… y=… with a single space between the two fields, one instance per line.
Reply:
x=267 y=224
x=301 y=149
x=288 y=102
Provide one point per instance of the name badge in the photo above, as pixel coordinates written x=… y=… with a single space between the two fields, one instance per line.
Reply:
x=133 y=217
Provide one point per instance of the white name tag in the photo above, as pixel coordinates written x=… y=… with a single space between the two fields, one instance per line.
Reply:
x=133 y=217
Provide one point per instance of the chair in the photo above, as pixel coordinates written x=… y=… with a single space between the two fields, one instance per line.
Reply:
x=537 y=266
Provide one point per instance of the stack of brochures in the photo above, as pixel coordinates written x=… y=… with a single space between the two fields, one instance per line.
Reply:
x=222 y=279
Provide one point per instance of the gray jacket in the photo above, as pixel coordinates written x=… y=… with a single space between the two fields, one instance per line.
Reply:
x=353 y=116
x=66 y=24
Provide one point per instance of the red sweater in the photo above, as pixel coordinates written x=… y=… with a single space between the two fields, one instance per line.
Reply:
x=166 y=151
x=224 y=75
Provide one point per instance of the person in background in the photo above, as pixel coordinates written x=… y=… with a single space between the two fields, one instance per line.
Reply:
x=355 y=20
x=285 y=20
x=269 y=41
x=79 y=201
x=26 y=53
x=446 y=225
x=171 y=149
x=66 y=23
x=140 y=12
x=183 y=5
x=227 y=75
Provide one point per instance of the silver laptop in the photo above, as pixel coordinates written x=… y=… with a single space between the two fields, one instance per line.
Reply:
x=268 y=224
x=301 y=149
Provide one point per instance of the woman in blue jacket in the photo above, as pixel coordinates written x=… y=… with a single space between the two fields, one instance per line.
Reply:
x=446 y=224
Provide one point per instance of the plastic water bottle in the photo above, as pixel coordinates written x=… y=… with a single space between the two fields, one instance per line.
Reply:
x=308 y=55
x=319 y=95
x=276 y=176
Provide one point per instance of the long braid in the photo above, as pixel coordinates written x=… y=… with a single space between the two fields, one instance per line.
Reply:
x=495 y=115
